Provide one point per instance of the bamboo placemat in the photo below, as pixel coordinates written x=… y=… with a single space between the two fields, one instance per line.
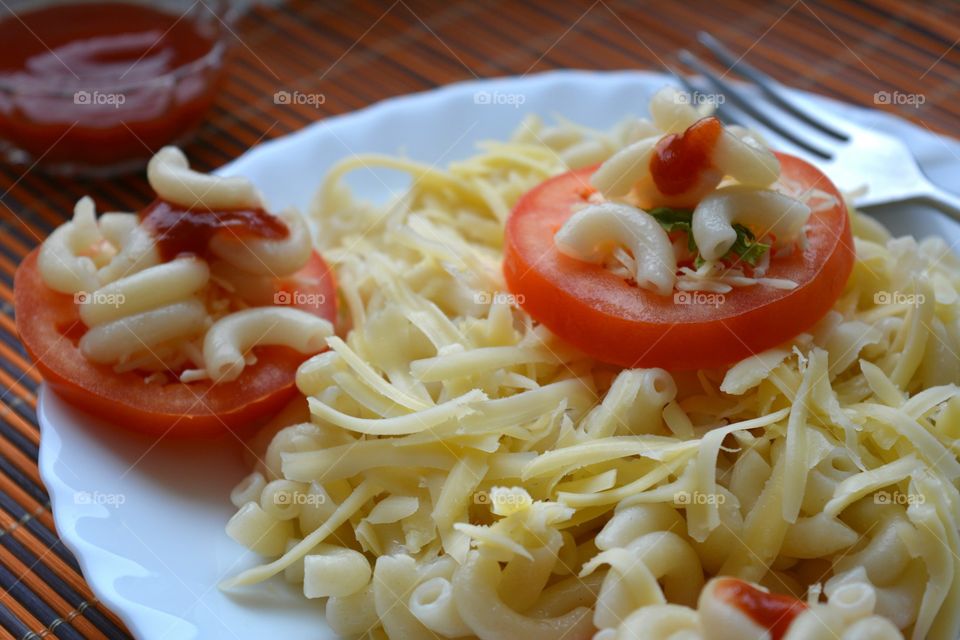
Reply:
x=357 y=53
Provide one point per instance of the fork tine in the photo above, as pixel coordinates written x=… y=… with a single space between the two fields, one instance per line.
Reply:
x=766 y=84
x=723 y=114
x=743 y=103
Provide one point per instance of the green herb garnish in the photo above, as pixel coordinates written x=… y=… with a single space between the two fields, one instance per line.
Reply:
x=746 y=247
x=672 y=219
x=676 y=220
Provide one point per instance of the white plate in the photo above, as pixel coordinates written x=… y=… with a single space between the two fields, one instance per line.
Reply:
x=145 y=519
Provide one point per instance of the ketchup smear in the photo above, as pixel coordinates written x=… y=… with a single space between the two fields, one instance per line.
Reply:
x=180 y=231
x=769 y=610
x=87 y=83
x=679 y=159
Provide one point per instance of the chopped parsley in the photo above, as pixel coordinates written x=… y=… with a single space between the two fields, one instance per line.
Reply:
x=746 y=247
x=676 y=220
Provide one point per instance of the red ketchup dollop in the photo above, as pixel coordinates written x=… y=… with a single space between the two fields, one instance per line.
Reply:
x=90 y=83
x=679 y=159
x=179 y=231
x=771 y=611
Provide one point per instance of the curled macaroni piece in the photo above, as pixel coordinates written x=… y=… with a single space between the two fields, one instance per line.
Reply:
x=231 y=337
x=745 y=159
x=653 y=569
x=280 y=498
x=668 y=621
x=489 y=618
x=172 y=179
x=617 y=176
x=330 y=570
x=872 y=628
x=767 y=211
x=256 y=291
x=634 y=404
x=61 y=264
x=151 y=288
x=724 y=619
x=826 y=622
x=631 y=522
x=433 y=604
x=264 y=257
x=592 y=234
x=853 y=600
x=898 y=600
x=117 y=227
x=353 y=615
x=252 y=527
x=248 y=490
x=118 y=340
x=395 y=578
x=138 y=252
x=672 y=112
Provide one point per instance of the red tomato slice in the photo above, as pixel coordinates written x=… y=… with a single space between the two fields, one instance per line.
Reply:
x=50 y=327
x=616 y=322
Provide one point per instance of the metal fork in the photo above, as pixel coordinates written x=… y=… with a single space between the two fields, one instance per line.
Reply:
x=850 y=154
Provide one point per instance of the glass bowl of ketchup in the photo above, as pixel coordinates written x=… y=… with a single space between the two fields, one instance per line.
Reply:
x=93 y=88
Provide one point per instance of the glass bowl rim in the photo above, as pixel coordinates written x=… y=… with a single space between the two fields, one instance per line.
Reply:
x=40 y=87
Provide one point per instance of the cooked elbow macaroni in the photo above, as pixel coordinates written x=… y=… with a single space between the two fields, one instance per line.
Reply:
x=768 y=211
x=624 y=181
x=186 y=314
x=64 y=266
x=500 y=485
x=264 y=257
x=172 y=179
x=593 y=233
x=234 y=335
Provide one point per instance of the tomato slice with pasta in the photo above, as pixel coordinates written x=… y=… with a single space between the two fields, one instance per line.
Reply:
x=614 y=321
x=50 y=327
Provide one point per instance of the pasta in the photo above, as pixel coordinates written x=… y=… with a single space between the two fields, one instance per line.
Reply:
x=468 y=475
x=65 y=270
x=232 y=336
x=195 y=317
x=773 y=212
x=266 y=257
x=731 y=192
x=170 y=176
x=590 y=234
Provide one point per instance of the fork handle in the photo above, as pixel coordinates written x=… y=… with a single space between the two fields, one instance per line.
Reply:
x=930 y=195
x=948 y=203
